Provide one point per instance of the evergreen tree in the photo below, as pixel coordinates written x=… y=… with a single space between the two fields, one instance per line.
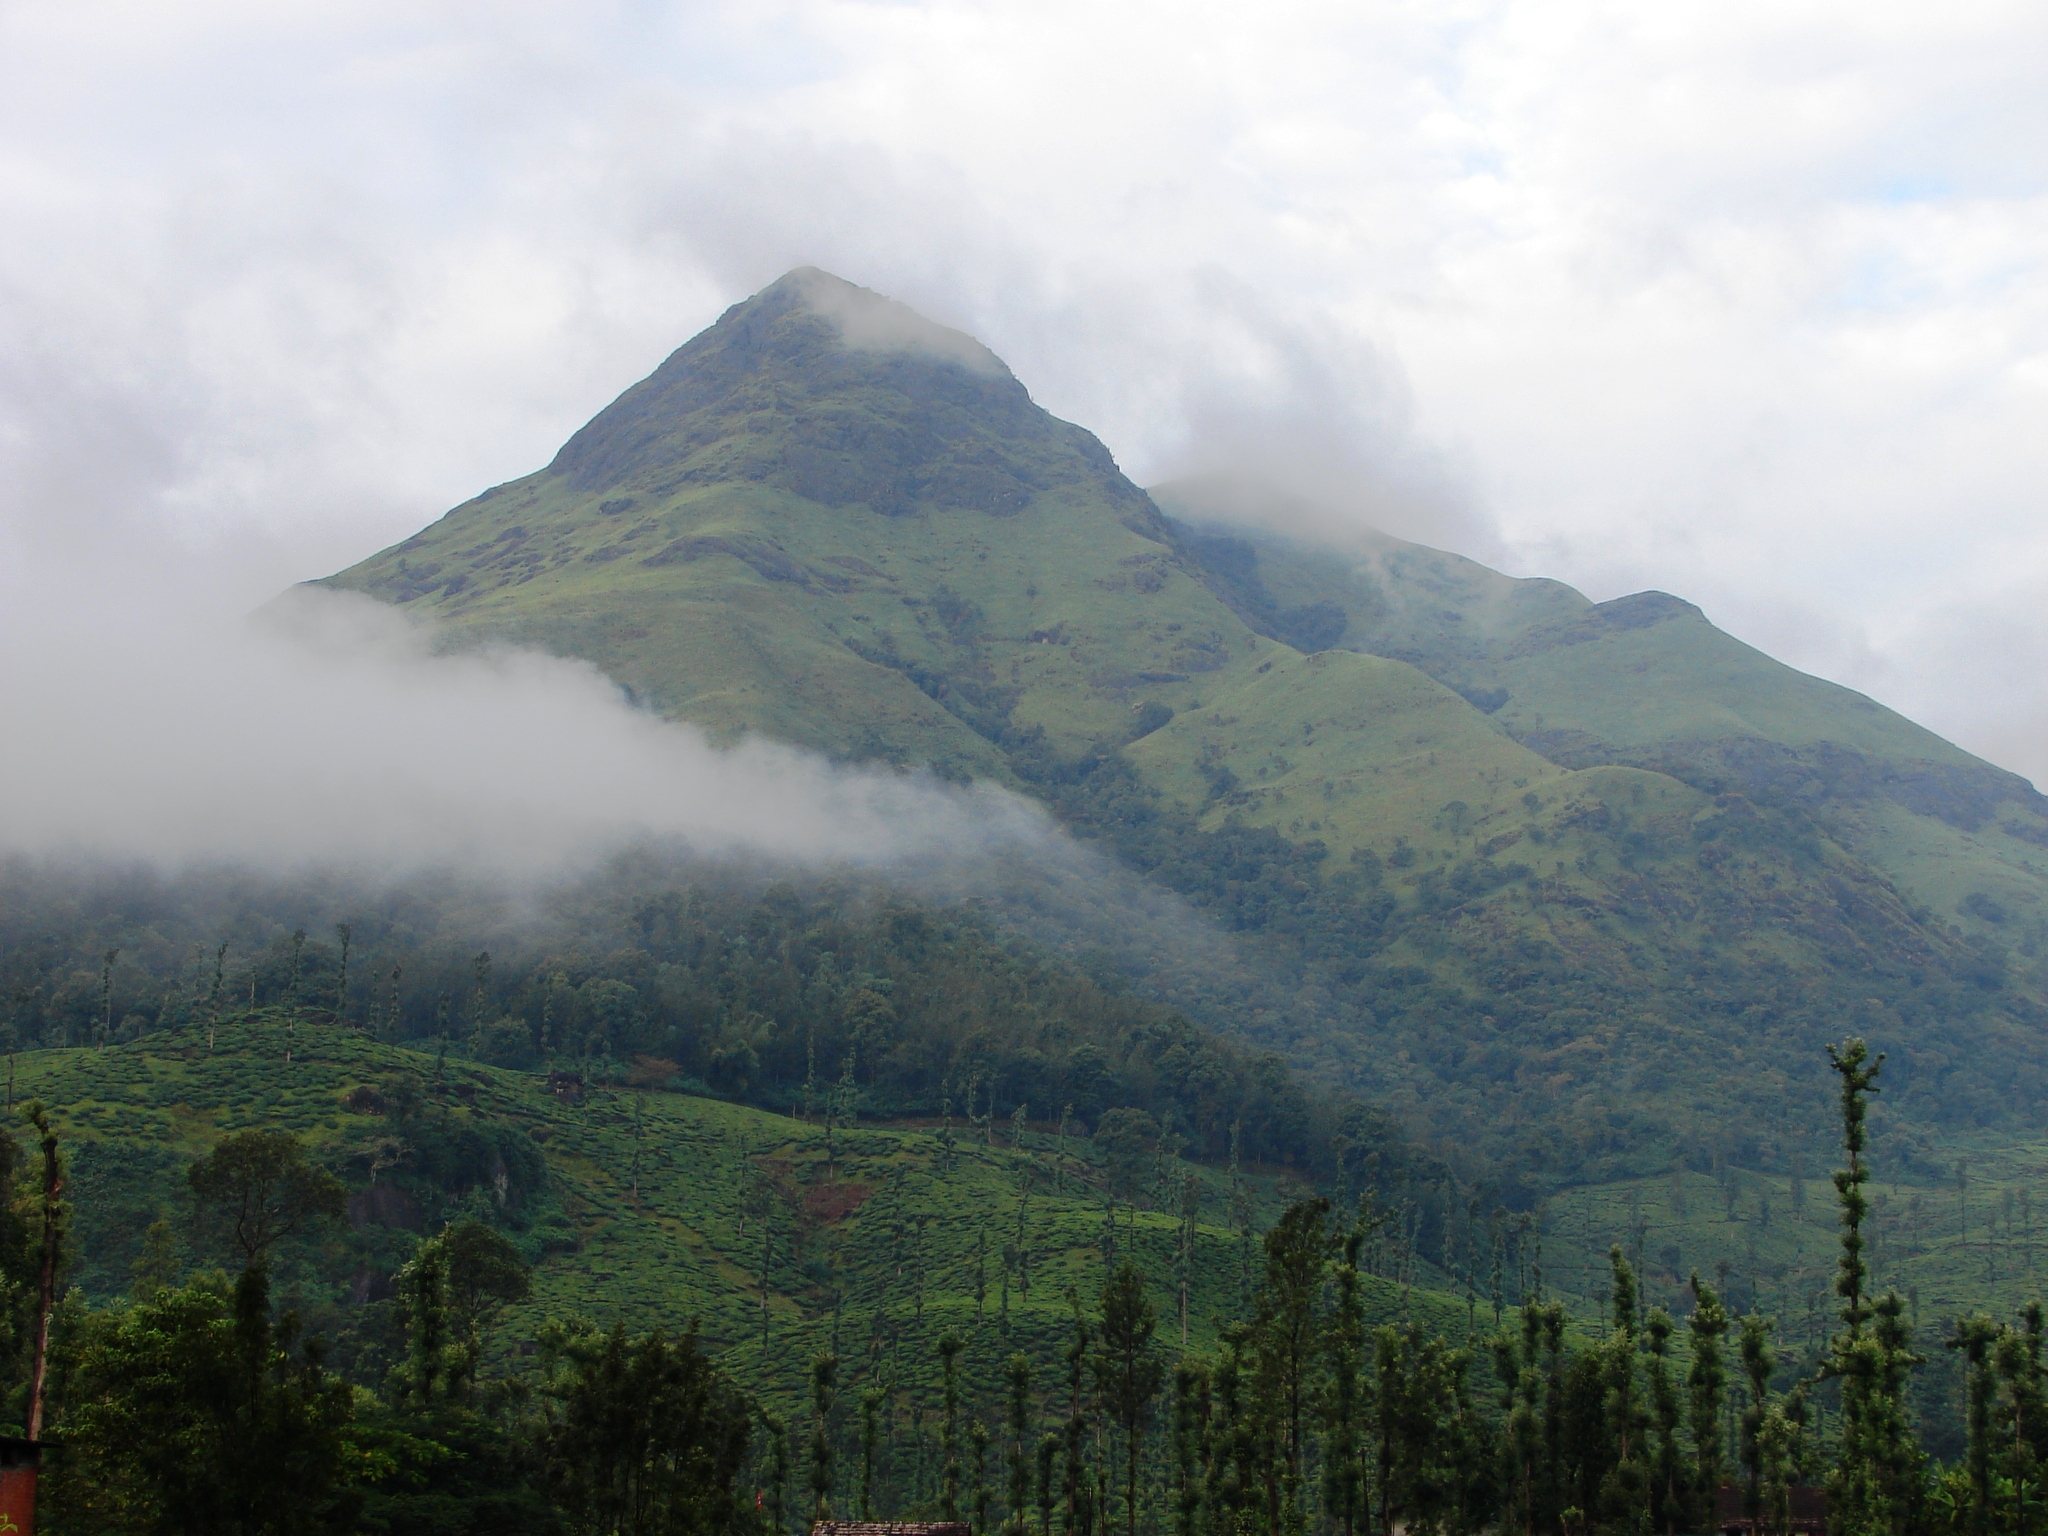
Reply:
x=977 y=1440
x=1668 y=1487
x=1128 y=1374
x=2021 y=1422
x=1287 y=1327
x=1230 y=1473
x=824 y=1381
x=1344 y=1494
x=871 y=1402
x=1019 y=1456
x=1518 y=1363
x=1781 y=1451
x=1625 y=1489
x=1875 y=1489
x=1975 y=1339
x=422 y=1286
x=1758 y=1361
x=1048 y=1458
x=1435 y=1461
x=1706 y=1388
x=1190 y=1432
x=1078 y=1486
x=950 y=1345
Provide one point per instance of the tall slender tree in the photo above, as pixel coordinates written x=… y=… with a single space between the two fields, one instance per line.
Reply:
x=2022 y=1428
x=950 y=1345
x=1344 y=1405
x=775 y=1437
x=1048 y=1459
x=872 y=1401
x=1707 y=1388
x=1288 y=1315
x=220 y=963
x=391 y=1013
x=52 y=1253
x=1128 y=1373
x=977 y=1443
x=107 y=996
x=346 y=934
x=1625 y=1489
x=824 y=1385
x=1190 y=1432
x=1759 y=1360
x=1668 y=1503
x=1019 y=1454
x=1875 y=1489
x=1077 y=1483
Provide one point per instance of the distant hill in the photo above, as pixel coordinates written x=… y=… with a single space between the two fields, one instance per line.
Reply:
x=1579 y=889
x=1647 y=682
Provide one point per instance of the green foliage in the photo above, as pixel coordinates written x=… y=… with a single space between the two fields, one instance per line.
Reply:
x=1877 y=1483
x=650 y=974
x=1128 y=1372
x=197 y=1410
x=20 y=1256
x=449 y=1293
x=258 y=1186
x=1330 y=1400
x=651 y=1439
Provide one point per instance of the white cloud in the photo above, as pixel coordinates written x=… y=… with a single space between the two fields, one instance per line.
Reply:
x=1743 y=301
x=870 y=322
x=328 y=731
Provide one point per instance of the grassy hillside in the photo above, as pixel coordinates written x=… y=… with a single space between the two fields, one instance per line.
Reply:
x=1648 y=682
x=652 y=1208
x=1533 y=872
x=781 y=533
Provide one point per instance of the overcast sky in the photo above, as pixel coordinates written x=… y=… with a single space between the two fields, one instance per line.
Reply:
x=1743 y=301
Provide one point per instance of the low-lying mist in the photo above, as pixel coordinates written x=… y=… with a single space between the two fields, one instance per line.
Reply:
x=322 y=759
x=329 y=730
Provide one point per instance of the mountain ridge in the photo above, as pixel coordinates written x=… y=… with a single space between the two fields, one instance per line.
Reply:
x=1461 y=813
x=1727 y=718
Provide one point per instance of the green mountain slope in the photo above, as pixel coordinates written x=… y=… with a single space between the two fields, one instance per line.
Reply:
x=1515 y=872
x=652 y=1208
x=648 y=1207
x=1646 y=681
x=783 y=533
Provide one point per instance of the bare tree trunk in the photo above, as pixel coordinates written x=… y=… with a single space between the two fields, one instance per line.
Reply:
x=53 y=1186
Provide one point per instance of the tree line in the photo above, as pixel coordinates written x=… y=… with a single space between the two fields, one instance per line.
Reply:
x=769 y=996
x=200 y=1404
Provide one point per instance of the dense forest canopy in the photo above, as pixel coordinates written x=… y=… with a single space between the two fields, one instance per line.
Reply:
x=699 y=980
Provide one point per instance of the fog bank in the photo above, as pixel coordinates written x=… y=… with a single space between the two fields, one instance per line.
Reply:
x=328 y=730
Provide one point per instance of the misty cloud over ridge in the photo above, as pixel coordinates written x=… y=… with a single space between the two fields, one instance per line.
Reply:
x=1740 y=302
x=326 y=743
x=872 y=322
x=328 y=730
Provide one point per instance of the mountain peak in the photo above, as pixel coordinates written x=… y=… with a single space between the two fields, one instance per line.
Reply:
x=811 y=373
x=868 y=321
